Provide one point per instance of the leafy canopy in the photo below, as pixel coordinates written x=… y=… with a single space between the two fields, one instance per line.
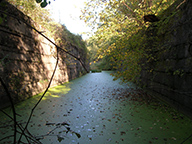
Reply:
x=43 y=3
x=117 y=24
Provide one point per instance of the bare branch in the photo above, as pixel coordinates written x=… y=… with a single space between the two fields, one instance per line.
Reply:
x=41 y=96
x=181 y=4
x=133 y=13
x=13 y=108
x=158 y=6
x=23 y=130
x=6 y=137
x=186 y=139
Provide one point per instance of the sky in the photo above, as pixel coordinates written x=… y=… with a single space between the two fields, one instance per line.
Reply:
x=67 y=12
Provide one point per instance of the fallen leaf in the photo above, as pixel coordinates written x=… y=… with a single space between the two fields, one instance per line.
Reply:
x=64 y=123
x=49 y=123
x=77 y=134
x=123 y=133
x=60 y=138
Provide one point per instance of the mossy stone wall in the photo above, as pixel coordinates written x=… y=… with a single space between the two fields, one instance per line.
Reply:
x=169 y=75
x=27 y=60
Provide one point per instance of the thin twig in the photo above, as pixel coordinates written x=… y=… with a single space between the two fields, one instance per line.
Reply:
x=13 y=109
x=186 y=139
x=14 y=113
x=52 y=130
x=41 y=96
x=181 y=4
x=31 y=138
x=6 y=137
x=158 y=6
x=133 y=13
x=6 y=114
x=18 y=124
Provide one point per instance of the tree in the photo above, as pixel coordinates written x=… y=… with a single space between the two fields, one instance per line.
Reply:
x=117 y=24
x=33 y=10
x=43 y=3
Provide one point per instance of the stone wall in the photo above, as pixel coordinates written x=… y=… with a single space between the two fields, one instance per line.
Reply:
x=27 y=60
x=169 y=76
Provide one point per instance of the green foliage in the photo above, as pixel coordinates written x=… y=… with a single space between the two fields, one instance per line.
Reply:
x=3 y=17
x=105 y=63
x=1 y=20
x=92 y=48
x=95 y=71
x=42 y=16
x=38 y=1
x=33 y=10
x=63 y=37
x=43 y=4
x=179 y=72
x=120 y=33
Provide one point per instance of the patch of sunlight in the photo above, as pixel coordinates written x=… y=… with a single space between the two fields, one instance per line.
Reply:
x=54 y=96
x=54 y=92
x=57 y=91
x=61 y=89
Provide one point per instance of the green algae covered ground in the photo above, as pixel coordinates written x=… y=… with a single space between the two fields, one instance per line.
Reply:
x=94 y=109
